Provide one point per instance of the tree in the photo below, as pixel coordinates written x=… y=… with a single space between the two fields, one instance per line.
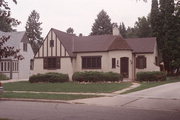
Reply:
x=155 y=20
x=168 y=35
x=102 y=24
x=143 y=27
x=122 y=30
x=7 y=51
x=33 y=30
x=70 y=30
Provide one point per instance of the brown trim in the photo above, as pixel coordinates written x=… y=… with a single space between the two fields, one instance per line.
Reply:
x=38 y=54
x=50 y=43
x=56 y=45
x=53 y=57
x=60 y=49
x=143 y=52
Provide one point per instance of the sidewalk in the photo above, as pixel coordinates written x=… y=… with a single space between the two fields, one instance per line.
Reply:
x=13 y=80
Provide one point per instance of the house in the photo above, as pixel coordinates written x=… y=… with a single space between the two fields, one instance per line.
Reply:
x=13 y=68
x=67 y=53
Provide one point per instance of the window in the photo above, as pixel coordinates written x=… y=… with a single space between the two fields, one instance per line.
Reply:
x=91 y=62
x=156 y=61
x=51 y=43
x=24 y=47
x=141 y=62
x=113 y=62
x=52 y=63
x=31 y=64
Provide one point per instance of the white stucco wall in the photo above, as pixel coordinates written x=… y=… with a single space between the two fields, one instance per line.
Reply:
x=106 y=61
x=66 y=67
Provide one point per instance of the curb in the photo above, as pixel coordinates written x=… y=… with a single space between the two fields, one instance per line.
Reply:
x=35 y=100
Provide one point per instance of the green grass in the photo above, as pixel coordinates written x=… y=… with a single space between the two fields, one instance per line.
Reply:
x=66 y=87
x=45 y=96
x=4 y=119
x=146 y=85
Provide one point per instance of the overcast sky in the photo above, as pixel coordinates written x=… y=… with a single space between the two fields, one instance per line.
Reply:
x=78 y=14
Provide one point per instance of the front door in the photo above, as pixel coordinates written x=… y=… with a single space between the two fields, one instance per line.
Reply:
x=124 y=68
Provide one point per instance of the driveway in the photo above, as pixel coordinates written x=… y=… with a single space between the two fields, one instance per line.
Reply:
x=164 y=97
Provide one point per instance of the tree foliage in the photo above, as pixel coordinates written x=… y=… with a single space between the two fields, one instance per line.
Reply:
x=7 y=51
x=122 y=30
x=70 y=30
x=102 y=24
x=33 y=30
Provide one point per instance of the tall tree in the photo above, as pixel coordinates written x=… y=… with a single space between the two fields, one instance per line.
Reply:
x=70 y=30
x=122 y=30
x=102 y=24
x=33 y=30
x=155 y=18
x=7 y=51
x=168 y=36
x=143 y=27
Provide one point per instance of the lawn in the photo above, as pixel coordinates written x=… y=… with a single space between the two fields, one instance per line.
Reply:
x=146 y=85
x=45 y=96
x=66 y=87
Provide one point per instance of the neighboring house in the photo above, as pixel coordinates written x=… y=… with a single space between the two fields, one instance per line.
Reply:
x=67 y=53
x=13 y=68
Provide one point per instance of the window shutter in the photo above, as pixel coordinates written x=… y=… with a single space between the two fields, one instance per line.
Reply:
x=144 y=62
x=113 y=62
x=45 y=63
x=137 y=62
x=58 y=63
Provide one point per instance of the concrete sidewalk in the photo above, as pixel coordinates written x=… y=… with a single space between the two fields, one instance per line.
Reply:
x=13 y=80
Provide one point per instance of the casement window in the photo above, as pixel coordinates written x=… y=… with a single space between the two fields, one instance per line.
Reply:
x=113 y=62
x=52 y=63
x=141 y=62
x=25 y=47
x=91 y=62
x=31 y=64
x=51 y=43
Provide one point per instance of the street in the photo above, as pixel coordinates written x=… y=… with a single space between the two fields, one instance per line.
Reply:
x=158 y=103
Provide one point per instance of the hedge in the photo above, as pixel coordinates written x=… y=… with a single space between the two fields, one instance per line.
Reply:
x=151 y=76
x=49 y=77
x=92 y=76
x=3 y=77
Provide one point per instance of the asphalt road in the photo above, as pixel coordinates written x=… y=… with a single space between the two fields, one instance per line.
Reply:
x=159 y=103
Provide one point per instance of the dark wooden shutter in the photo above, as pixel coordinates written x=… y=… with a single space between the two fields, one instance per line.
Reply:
x=58 y=63
x=113 y=62
x=144 y=62
x=137 y=62
x=45 y=61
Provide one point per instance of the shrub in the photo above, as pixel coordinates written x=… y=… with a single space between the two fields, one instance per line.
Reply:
x=3 y=77
x=151 y=76
x=92 y=76
x=49 y=77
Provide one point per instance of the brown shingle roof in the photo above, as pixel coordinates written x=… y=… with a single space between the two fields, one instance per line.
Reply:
x=98 y=43
x=142 y=45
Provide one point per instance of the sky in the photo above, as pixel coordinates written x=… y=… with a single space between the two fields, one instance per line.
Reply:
x=78 y=14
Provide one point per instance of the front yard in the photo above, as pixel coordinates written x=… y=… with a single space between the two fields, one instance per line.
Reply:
x=69 y=87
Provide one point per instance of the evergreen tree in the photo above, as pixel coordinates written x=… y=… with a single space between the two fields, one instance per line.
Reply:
x=122 y=30
x=102 y=24
x=70 y=30
x=168 y=34
x=155 y=18
x=143 y=27
x=33 y=30
x=7 y=51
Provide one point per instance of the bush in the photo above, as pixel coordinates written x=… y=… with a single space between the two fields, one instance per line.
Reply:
x=3 y=77
x=49 y=77
x=151 y=76
x=91 y=76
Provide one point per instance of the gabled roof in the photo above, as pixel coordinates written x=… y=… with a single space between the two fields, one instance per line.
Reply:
x=142 y=45
x=98 y=43
x=15 y=38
